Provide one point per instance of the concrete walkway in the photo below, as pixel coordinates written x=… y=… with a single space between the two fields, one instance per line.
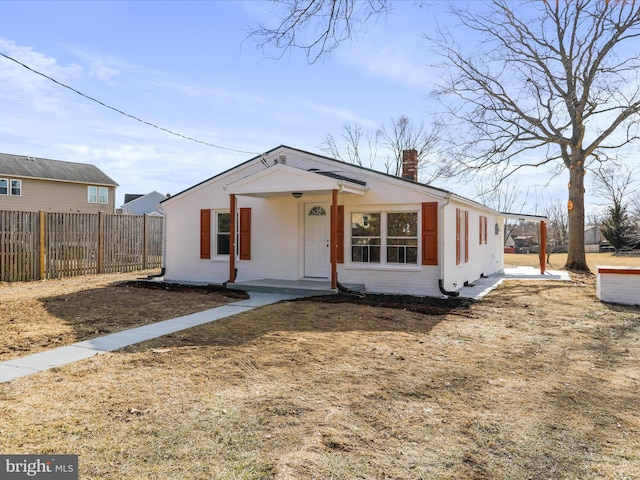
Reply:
x=483 y=286
x=39 y=362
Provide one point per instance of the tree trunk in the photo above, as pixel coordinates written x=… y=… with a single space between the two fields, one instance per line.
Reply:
x=576 y=260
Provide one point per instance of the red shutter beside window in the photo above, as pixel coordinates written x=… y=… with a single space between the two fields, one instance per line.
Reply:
x=245 y=234
x=466 y=236
x=205 y=233
x=430 y=233
x=458 y=226
x=485 y=229
x=340 y=220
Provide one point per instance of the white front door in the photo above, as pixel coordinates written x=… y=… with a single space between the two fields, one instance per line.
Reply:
x=317 y=234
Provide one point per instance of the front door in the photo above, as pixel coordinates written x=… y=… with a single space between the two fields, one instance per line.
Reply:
x=317 y=234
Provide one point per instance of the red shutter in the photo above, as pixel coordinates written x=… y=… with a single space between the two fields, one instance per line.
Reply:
x=245 y=234
x=458 y=225
x=466 y=236
x=485 y=229
x=205 y=234
x=340 y=252
x=430 y=233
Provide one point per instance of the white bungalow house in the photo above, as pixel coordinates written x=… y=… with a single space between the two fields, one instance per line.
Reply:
x=291 y=215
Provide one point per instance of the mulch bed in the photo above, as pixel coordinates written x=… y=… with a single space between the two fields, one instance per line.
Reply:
x=424 y=305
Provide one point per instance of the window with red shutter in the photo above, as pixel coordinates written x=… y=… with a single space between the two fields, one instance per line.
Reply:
x=205 y=233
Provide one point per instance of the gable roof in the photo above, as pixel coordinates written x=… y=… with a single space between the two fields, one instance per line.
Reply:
x=56 y=170
x=340 y=163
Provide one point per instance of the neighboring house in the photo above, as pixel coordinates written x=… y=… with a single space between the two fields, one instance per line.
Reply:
x=299 y=215
x=32 y=184
x=138 y=204
x=593 y=239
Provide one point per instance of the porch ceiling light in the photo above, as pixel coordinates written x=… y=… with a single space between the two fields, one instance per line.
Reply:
x=296 y=194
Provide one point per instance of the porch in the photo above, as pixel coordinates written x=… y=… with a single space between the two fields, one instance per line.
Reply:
x=300 y=287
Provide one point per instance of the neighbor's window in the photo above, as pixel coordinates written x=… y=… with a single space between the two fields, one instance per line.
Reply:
x=92 y=194
x=103 y=195
x=4 y=186
x=402 y=238
x=222 y=233
x=365 y=237
x=16 y=187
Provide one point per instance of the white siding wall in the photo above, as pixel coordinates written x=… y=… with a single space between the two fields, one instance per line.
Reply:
x=484 y=259
x=277 y=233
x=619 y=287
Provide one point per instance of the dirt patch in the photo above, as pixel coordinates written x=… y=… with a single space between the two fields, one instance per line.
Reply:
x=537 y=380
x=37 y=316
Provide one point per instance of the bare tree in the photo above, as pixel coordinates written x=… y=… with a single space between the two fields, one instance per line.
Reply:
x=550 y=84
x=558 y=230
x=405 y=134
x=554 y=86
x=350 y=150
x=390 y=141
x=317 y=26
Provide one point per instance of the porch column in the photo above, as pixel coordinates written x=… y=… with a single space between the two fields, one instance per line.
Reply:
x=334 y=239
x=232 y=238
x=543 y=246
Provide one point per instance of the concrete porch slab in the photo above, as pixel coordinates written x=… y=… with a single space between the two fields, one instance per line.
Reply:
x=294 y=287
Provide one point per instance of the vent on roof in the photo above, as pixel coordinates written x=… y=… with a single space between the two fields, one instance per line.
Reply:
x=282 y=159
x=31 y=159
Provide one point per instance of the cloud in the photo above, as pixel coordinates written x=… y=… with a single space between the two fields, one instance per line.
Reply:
x=400 y=61
x=18 y=76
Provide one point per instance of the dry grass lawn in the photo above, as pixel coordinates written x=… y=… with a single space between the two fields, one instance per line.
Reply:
x=539 y=380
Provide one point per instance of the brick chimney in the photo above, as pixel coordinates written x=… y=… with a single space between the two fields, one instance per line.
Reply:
x=410 y=164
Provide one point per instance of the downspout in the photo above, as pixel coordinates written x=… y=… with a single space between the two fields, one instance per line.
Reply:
x=441 y=252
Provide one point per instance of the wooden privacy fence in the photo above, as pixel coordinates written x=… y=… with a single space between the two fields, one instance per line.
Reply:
x=44 y=245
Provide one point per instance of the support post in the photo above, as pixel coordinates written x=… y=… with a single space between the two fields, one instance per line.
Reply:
x=42 y=246
x=100 y=242
x=334 y=240
x=543 y=246
x=145 y=242
x=232 y=238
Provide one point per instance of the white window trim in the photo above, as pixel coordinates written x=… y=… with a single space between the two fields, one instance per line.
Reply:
x=89 y=187
x=11 y=187
x=106 y=191
x=7 y=186
x=383 y=264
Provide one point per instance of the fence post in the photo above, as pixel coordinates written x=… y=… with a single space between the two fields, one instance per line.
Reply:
x=41 y=250
x=145 y=239
x=100 y=243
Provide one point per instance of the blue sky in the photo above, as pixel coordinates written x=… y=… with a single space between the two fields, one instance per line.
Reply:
x=189 y=67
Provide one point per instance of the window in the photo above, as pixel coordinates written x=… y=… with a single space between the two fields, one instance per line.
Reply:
x=16 y=188
x=10 y=187
x=97 y=194
x=103 y=195
x=365 y=237
x=317 y=211
x=402 y=238
x=222 y=233
x=92 y=194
